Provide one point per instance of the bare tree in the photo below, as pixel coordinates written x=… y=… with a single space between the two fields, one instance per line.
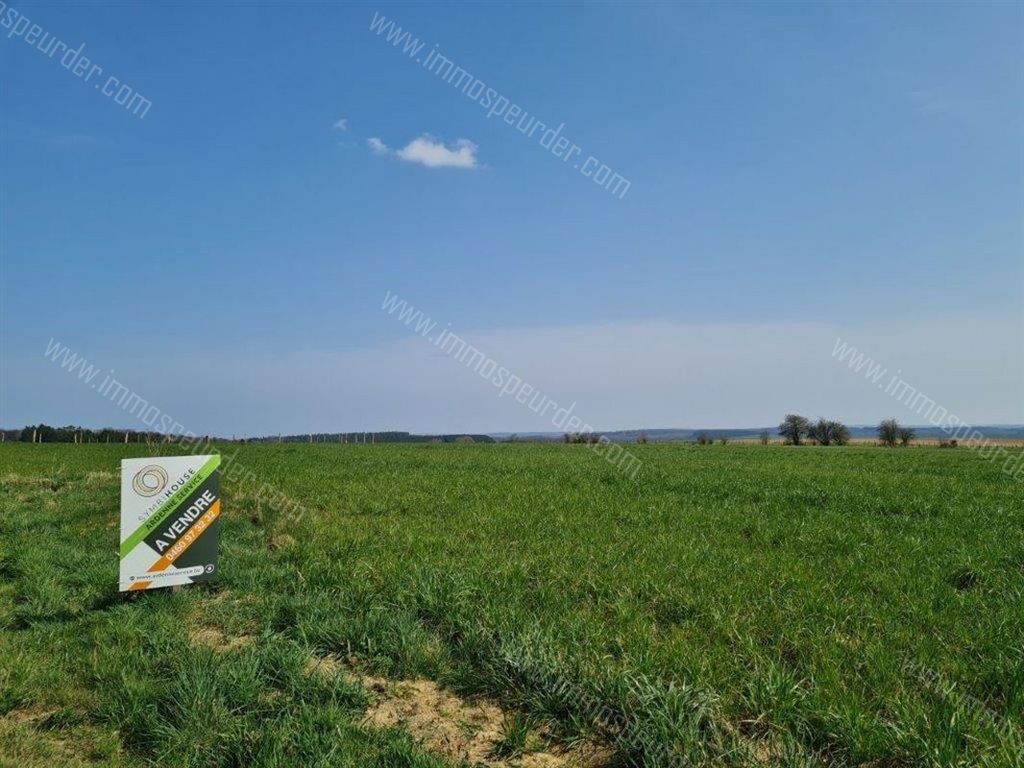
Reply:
x=703 y=438
x=793 y=429
x=825 y=432
x=840 y=433
x=765 y=437
x=906 y=434
x=889 y=432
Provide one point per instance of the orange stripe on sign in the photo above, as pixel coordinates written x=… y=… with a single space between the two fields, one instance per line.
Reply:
x=182 y=546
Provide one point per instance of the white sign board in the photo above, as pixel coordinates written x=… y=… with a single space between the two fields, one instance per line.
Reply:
x=170 y=521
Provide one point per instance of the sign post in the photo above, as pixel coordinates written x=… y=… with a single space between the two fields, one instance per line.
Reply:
x=170 y=521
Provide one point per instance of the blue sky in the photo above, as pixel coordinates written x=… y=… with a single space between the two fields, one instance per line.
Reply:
x=829 y=170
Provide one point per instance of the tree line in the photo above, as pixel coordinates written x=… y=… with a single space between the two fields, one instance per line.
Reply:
x=794 y=430
x=44 y=433
x=798 y=430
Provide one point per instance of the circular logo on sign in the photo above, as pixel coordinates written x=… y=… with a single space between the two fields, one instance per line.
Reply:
x=149 y=480
x=209 y=568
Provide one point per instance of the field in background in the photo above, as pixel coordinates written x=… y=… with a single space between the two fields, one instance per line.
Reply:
x=731 y=606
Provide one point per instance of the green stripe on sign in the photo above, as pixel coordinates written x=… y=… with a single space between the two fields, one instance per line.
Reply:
x=165 y=509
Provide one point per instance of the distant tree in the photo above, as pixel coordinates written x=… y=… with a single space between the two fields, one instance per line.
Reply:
x=765 y=437
x=825 y=432
x=840 y=433
x=566 y=438
x=793 y=429
x=817 y=432
x=723 y=440
x=889 y=432
x=906 y=434
x=703 y=438
x=642 y=438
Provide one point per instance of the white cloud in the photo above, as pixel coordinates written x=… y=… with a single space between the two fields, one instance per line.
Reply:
x=434 y=154
x=428 y=151
x=341 y=124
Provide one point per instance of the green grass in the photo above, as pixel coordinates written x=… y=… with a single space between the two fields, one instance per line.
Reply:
x=733 y=605
x=516 y=735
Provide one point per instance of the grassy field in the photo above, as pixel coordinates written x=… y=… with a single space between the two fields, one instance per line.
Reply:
x=733 y=605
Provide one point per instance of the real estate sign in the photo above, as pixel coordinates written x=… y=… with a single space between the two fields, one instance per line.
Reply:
x=170 y=521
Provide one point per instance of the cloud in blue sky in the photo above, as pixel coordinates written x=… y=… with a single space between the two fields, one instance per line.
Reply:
x=430 y=152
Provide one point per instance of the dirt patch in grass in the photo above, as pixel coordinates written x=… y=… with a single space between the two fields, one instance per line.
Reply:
x=29 y=738
x=280 y=541
x=13 y=479
x=213 y=638
x=100 y=477
x=22 y=743
x=29 y=716
x=473 y=730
